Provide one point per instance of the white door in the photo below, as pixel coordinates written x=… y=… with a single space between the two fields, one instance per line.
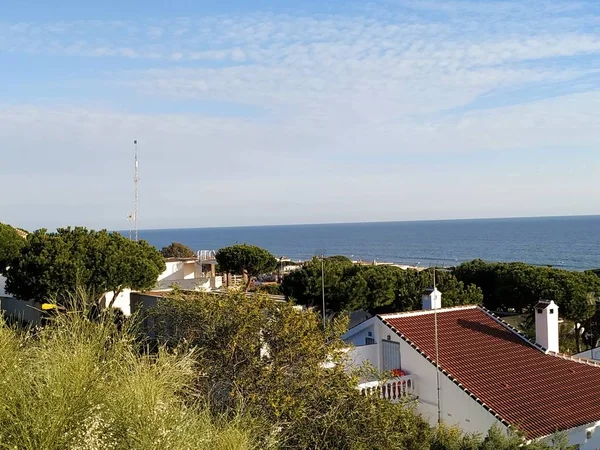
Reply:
x=391 y=355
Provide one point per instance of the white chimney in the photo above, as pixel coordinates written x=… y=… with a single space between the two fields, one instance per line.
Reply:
x=546 y=325
x=432 y=299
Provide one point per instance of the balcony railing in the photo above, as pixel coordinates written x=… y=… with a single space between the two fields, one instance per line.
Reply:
x=393 y=389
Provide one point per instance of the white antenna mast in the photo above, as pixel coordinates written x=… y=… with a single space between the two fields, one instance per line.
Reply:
x=136 y=181
x=437 y=356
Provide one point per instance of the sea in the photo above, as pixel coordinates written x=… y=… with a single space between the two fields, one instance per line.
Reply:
x=566 y=242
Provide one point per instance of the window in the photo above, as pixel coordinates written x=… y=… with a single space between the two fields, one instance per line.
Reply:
x=369 y=334
x=539 y=310
x=369 y=341
x=588 y=434
x=551 y=310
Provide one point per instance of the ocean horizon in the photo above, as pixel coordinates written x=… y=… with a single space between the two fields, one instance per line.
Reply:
x=569 y=242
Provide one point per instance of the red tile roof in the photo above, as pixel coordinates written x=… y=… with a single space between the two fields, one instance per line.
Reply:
x=534 y=392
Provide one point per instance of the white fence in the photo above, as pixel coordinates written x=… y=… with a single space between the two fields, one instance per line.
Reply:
x=393 y=389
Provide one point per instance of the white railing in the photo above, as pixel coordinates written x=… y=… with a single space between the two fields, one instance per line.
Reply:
x=205 y=255
x=393 y=389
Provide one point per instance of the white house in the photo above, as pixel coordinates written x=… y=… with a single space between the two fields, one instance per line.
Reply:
x=467 y=367
x=190 y=274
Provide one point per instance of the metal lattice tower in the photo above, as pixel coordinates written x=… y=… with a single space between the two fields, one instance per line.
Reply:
x=136 y=181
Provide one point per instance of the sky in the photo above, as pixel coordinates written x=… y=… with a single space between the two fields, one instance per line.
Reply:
x=283 y=112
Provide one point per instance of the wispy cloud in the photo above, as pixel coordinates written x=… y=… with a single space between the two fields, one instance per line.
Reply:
x=393 y=81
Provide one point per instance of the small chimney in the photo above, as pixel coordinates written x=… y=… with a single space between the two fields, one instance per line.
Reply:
x=546 y=325
x=432 y=299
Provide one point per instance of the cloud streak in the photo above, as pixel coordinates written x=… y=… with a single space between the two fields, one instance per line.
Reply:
x=371 y=97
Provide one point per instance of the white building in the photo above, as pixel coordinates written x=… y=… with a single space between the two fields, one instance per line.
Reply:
x=489 y=374
x=190 y=274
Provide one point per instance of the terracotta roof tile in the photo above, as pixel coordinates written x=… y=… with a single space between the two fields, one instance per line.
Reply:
x=535 y=392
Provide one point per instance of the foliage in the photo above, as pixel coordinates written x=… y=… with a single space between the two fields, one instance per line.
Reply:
x=177 y=250
x=269 y=359
x=271 y=289
x=594 y=271
x=53 y=263
x=82 y=385
x=380 y=288
x=10 y=246
x=245 y=259
x=452 y=438
x=518 y=287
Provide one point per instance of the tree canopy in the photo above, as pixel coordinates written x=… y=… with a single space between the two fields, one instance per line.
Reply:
x=517 y=287
x=11 y=243
x=53 y=263
x=248 y=260
x=177 y=250
x=379 y=288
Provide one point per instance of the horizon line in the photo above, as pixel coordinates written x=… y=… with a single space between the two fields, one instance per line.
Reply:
x=369 y=222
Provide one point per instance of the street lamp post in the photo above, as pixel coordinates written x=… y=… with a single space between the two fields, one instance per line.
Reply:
x=323 y=287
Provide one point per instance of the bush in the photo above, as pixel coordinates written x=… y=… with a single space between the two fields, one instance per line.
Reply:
x=82 y=385
x=268 y=358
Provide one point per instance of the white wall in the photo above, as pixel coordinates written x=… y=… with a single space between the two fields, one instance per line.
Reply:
x=189 y=271
x=359 y=338
x=590 y=354
x=172 y=272
x=2 y=286
x=357 y=356
x=123 y=301
x=579 y=436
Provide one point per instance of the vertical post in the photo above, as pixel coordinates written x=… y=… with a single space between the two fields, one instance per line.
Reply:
x=437 y=357
x=323 y=286
x=136 y=181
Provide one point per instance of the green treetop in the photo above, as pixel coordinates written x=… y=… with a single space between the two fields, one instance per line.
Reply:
x=177 y=250
x=53 y=263
x=248 y=260
x=11 y=243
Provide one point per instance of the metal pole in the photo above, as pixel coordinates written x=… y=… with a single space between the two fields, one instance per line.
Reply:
x=323 y=287
x=136 y=181
x=437 y=367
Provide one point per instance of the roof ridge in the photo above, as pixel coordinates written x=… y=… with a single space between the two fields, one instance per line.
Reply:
x=586 y=361
x=423 y=312
x=445 y=372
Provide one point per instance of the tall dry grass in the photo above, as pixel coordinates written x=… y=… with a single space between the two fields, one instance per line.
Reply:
x=81 y=384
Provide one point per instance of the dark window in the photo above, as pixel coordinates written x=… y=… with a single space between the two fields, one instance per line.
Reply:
x=539 y=311
x=369 y=341
x=552 y=311
x=369 y=334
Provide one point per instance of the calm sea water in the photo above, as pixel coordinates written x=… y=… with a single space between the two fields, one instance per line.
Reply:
x=567 y=242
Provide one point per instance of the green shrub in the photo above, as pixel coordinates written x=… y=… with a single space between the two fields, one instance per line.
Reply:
x=82 y=385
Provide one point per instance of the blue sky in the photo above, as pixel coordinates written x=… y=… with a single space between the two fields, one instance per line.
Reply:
x=274 y=112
